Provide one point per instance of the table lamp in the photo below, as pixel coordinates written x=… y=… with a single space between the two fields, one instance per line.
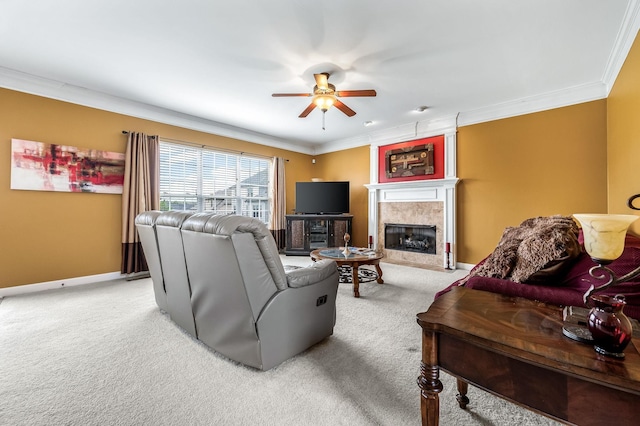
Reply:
x=604 y=238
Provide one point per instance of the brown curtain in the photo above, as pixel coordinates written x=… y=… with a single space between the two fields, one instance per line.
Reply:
x=140 y=193
x=278 y=202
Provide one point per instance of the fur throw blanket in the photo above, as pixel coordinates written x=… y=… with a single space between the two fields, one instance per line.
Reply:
x=534 y=251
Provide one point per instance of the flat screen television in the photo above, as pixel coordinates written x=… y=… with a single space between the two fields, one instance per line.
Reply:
x=322 y=197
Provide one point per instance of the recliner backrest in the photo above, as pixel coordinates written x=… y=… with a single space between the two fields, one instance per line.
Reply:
x=176 y=279
x=146 y=227
x=222 y=305
x=232 y=224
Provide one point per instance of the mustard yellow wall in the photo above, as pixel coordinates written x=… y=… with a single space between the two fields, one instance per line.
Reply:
x=551 y=162
x=50 y=236
x=351 y=165
x=623 y=137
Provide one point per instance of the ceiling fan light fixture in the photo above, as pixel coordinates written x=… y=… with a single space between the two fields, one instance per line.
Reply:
x=324 y=102
x=325 y=96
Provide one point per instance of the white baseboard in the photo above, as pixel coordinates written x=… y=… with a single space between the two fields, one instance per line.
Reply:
x=32 y=288
x=466 y=266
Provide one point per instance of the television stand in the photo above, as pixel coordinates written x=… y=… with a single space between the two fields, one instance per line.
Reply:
x=307 y=232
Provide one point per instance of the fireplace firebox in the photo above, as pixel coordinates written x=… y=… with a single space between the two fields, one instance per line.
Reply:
x=413 y=238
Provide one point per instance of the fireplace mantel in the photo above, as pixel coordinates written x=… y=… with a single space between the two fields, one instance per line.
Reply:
x=419 y=191
x=416 y=184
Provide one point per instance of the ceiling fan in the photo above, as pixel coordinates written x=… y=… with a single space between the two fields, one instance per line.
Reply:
x=325 y=95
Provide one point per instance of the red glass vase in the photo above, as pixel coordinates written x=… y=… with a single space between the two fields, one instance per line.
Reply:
x=609 y=326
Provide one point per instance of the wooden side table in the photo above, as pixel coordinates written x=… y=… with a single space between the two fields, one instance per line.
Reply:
x=354 y=259
x=515 y=349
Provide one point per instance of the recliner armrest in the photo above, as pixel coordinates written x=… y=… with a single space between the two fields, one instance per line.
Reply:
x=320 y=270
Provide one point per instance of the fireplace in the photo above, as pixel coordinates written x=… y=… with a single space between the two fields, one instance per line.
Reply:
x=412 y=238
x=429 y=204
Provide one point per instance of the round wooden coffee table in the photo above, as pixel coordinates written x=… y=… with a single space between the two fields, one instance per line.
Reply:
x=355 y=259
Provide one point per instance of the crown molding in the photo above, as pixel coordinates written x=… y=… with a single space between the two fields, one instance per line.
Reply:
x=624 y=40
x=405 y=132
x=411 y=131
x=546 y=101
x=27 y=83
x=447 y=124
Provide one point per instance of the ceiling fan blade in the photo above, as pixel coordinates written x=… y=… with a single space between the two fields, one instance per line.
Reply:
x=342 y=107
x=278 y=95
x=352 y=93
x=308 y=110
x=321 y=81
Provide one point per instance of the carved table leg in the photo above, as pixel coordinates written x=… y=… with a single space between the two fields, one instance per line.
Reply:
x=379 y=271
x=356 y=281
x=429 y=380
x=462 y=393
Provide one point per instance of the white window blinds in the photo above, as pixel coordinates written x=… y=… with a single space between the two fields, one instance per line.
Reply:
x=200 y=179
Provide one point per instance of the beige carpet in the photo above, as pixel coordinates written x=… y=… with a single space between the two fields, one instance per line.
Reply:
x=103 y=354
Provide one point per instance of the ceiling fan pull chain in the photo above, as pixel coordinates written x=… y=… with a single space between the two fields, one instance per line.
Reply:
x=323 y=114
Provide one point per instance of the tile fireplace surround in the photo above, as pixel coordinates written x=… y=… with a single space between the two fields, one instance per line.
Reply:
x=418 y=202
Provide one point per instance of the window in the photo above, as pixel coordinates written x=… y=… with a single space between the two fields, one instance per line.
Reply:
x=200 y=179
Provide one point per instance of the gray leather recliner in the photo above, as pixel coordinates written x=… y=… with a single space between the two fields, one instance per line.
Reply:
x=242 y=302
x=174 y=269
x=146 y=227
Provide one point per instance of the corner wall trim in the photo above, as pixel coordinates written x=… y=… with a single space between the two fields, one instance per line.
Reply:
x=49 y=285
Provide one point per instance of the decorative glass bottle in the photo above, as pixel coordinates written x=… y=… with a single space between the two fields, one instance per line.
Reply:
x=609 y=326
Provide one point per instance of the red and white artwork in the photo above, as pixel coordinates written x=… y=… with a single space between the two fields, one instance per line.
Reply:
x=40 y=166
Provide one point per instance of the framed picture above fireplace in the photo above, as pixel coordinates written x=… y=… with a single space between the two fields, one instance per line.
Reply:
x=419 y=159
x=412 y=161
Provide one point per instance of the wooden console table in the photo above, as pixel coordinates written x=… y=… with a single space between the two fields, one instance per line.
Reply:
x=514 y=348
x=307 y=232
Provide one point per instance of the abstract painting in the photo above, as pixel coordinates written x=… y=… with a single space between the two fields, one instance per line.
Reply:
x=39 y=166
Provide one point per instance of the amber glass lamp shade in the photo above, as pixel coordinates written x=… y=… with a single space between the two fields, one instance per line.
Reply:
x=604 y=234
x=323 y=102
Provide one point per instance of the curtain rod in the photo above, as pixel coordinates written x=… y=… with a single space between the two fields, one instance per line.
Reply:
x=126 y=132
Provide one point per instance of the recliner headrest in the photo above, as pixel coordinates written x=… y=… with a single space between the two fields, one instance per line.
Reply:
x=173 y=218
x=212 y=223
x=147 y=218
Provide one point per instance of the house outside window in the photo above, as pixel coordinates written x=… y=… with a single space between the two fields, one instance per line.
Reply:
x=204 y=180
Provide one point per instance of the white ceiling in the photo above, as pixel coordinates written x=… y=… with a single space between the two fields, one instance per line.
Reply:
x=213 y=65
